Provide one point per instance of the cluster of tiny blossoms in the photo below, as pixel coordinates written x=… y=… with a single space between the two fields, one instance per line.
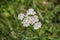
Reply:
x=30 y=18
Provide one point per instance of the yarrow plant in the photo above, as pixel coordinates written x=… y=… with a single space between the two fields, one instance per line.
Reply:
x=27 y=19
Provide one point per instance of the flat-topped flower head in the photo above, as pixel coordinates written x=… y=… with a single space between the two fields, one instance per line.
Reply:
x=21 y=16
x=30 y=18
x=37 y=25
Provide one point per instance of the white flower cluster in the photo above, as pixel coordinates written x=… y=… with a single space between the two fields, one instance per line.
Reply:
x=27 y=19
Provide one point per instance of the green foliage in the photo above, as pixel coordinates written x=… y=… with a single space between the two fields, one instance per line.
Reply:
x=12 y=29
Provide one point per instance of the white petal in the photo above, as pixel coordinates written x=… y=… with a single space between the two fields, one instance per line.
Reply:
x=25 y=23
x=31 y=9
x=31 y=12
x=21 y=16
x=32 y=19
x=36 y=18
x=37 y=25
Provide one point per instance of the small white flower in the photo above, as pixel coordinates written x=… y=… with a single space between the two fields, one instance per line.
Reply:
x=28 y=19
x=25 y=22
x=21 y=16
x=31 y=12
x=34 y=19
x=37 y=25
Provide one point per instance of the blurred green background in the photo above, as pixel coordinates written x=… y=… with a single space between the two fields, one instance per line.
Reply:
x=12 y=29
